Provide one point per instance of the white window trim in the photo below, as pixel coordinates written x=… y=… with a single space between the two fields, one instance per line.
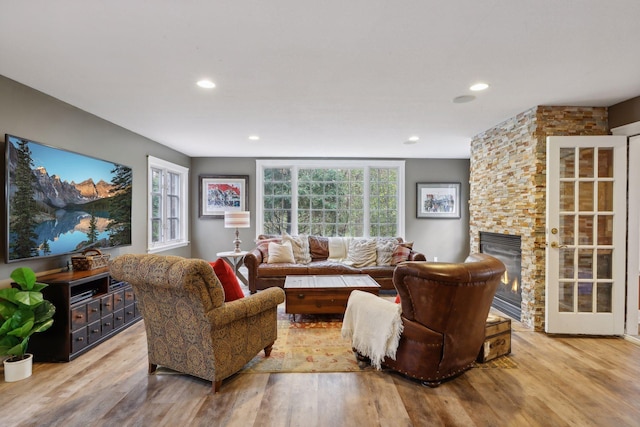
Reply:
x=154 y=162
x=294 y=165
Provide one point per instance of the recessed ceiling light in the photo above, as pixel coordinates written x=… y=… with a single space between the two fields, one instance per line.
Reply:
x=463 y=98
x=254 y=137
x=206 y=84
x=412 y=140
x=478 y=86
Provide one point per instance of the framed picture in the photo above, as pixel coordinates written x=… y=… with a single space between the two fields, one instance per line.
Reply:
x=438 y=200
x=220 y=193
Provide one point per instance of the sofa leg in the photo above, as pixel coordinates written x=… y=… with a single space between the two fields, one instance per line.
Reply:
x=267 y=350
x=215 y=386
x=152 y=368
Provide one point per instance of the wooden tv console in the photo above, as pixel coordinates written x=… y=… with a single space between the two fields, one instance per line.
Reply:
x=91 y=307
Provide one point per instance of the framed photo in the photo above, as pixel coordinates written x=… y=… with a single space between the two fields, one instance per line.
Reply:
x=438 y=200
x=220 y=193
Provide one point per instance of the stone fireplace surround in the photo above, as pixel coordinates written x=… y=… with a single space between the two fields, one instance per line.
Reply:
x=507 y=187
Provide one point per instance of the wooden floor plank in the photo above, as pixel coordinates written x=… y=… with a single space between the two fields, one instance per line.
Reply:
x=554 y=381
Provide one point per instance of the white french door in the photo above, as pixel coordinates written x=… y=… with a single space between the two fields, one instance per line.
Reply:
x=586 y=234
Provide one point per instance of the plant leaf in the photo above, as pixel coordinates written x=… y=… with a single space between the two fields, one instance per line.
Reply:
x=7 y=309
x=29 y=298
x=7 y=343
x=6 y=326
x=44 y=311
x=38 y=287
x=20 y=348
x=9 y=294
x=21 y=323
x=41 y=327
x=25 y=277
x=23 y=331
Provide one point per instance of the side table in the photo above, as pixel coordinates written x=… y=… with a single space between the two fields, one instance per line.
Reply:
x=235 y=260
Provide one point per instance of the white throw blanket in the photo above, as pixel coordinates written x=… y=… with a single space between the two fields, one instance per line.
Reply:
x=373 y=325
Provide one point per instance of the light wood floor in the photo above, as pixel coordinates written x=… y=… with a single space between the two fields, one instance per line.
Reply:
x=559 y=381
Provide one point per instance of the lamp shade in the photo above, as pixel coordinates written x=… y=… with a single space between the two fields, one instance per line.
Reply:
x=241 y=219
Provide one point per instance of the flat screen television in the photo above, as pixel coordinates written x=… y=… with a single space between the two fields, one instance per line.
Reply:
x=59 y=202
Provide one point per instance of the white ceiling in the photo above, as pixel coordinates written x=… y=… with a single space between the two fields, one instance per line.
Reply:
x=330 y=78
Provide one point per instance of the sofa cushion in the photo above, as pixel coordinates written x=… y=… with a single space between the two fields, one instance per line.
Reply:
x=300 y=246
x=362 y=252
x=330 y=267
x=280 y=253
x=228 y=279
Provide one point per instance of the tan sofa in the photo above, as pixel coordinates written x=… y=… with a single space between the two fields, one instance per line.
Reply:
x=263 y=275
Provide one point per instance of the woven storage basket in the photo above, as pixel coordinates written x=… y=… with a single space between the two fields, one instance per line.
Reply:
x=90 y=260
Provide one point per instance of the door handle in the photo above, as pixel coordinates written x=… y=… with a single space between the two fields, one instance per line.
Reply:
x=555 y=245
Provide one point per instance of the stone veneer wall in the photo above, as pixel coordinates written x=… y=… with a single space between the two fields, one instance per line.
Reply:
x=507 y=187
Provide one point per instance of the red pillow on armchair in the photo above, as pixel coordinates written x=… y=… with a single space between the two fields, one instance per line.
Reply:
x=227 y=277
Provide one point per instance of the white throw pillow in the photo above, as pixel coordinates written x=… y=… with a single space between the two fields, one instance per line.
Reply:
x=300 y=246
x=362 y=252
x=338 y=248
x=280 y=252
x=384 y=249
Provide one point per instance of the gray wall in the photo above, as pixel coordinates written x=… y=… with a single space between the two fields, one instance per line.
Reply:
x=30 y=114
x=447 y=239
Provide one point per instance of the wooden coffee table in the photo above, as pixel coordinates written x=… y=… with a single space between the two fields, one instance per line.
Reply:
x=324 y=294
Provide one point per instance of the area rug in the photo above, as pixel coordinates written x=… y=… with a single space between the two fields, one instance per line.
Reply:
x=313 y=343
x=310 y=343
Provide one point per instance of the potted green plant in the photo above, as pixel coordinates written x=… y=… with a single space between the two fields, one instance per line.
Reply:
x=23 y=312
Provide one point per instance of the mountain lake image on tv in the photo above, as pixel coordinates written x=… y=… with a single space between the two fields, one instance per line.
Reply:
x=60 y=202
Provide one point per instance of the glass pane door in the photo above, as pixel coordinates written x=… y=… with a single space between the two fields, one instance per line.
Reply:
x=586 y=225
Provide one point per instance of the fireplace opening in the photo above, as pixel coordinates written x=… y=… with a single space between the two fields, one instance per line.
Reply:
x=508 y=249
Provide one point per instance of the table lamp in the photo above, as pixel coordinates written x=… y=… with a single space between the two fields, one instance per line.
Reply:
x=237 y=219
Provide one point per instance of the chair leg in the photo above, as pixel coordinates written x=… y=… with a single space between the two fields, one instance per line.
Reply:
x=215 y=386
x=431 y=384
x=152 y=368
x=267 y=350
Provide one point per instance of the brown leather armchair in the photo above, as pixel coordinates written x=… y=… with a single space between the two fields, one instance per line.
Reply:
x=444 y=311
x=189 y=327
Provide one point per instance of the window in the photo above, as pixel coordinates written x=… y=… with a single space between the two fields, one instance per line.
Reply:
x=330 y=198
x=168 y=202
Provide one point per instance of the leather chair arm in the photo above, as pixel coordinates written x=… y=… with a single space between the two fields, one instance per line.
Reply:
x=252 y=260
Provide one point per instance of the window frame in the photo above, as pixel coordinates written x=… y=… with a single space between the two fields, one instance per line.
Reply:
x=166 y=168
x=296 y=164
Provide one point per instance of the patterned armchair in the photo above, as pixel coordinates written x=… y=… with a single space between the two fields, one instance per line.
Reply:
x=189 y=327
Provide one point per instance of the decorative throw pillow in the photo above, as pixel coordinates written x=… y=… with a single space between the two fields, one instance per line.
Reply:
x=362 y=252
x=300 y=247
x=401 y=253
x=339 y=248
x=384 y=249
x=228 y=279
x=318 y=247
x=280 y=252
